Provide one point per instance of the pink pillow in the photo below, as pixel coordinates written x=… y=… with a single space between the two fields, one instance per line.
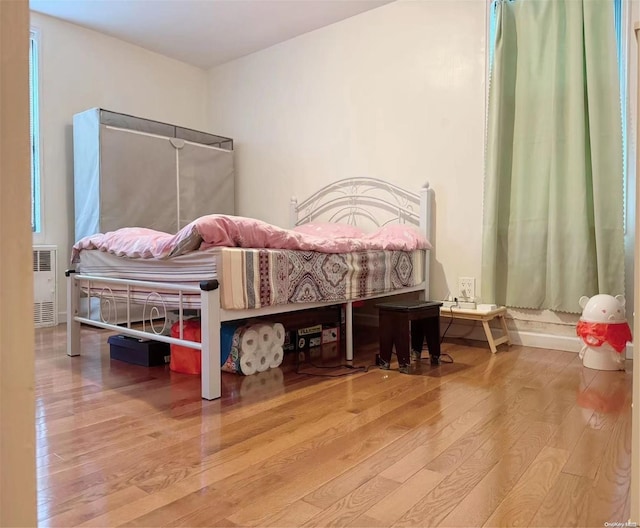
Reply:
x=329 y=230
x=399 y=237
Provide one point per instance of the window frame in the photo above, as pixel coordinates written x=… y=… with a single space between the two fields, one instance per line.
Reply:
x=35 y=136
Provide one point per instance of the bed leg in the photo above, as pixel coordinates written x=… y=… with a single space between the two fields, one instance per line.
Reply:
x=210 y=321
x=348 y=319
x=73 y=327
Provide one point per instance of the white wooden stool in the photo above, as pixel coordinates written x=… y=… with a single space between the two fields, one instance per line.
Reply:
x=484 y=317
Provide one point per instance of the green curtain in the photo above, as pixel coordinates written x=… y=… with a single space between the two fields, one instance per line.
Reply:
x=553 y=197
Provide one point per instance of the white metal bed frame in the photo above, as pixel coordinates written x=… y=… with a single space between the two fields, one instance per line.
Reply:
x=351 y=201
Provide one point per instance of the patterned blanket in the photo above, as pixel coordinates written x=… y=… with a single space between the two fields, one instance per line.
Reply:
x=253 y=278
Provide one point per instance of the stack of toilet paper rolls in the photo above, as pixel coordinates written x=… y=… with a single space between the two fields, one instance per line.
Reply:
x=255 y=348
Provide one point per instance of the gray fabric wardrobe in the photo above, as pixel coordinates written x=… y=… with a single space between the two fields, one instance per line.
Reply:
x=134 y=172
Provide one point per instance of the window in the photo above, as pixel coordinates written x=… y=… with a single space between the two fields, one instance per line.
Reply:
x=36 y=221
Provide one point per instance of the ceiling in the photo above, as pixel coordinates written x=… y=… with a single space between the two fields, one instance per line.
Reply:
x=204 y=33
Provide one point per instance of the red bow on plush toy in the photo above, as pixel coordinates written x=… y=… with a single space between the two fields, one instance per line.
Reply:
x=596 y=334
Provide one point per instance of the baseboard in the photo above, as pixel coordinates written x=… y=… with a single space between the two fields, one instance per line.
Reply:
x=550 y=341
x=530 y=339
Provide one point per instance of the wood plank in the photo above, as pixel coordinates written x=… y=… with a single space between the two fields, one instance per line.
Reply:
x=436 y=505
x=421 y=455
x=604 y=499
x=294 y=514
x=565 y=504
x=395 y=504
x=523 y=501
x=185 y=511
x=481 y=502
x=610 y=492
x=432 y=416
x=347 y=509
x=367 y=522
x=507 y=418
x=607 y=396
x=126 y=445
x=571 y=428
x=85 y=511
x=587 y=454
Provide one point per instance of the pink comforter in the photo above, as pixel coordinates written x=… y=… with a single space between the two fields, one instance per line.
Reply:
x=236 y=231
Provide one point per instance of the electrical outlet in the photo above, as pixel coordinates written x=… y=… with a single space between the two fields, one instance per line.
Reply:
x=467 y=287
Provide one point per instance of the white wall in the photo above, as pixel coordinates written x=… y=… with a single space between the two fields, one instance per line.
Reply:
x=395 y=93
x=80 y=69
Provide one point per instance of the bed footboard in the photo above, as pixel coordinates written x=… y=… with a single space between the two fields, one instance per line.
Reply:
x=210 y=318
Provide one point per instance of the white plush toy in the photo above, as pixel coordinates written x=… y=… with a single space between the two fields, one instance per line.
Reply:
x=604 y=331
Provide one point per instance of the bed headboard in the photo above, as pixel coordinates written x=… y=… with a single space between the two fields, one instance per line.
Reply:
x=368 y=203
x=365 y=202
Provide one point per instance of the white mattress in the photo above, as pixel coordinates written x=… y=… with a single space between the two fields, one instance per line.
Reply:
x=195 y=266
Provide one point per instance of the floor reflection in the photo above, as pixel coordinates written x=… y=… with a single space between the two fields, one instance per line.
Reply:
x=606 y=394
x=270 y=382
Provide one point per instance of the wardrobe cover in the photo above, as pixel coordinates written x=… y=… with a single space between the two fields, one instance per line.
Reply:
x=133 y=172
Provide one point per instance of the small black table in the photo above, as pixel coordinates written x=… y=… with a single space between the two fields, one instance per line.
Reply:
x=404 y=321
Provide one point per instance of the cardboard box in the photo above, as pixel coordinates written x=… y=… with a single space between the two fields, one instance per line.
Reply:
x=308 y=337
x=330 y=334
x=143 y=352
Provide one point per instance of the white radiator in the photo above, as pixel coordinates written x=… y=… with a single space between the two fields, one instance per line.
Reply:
x=45 y=294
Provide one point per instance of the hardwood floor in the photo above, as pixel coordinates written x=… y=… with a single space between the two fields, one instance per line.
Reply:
x=526 y=437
